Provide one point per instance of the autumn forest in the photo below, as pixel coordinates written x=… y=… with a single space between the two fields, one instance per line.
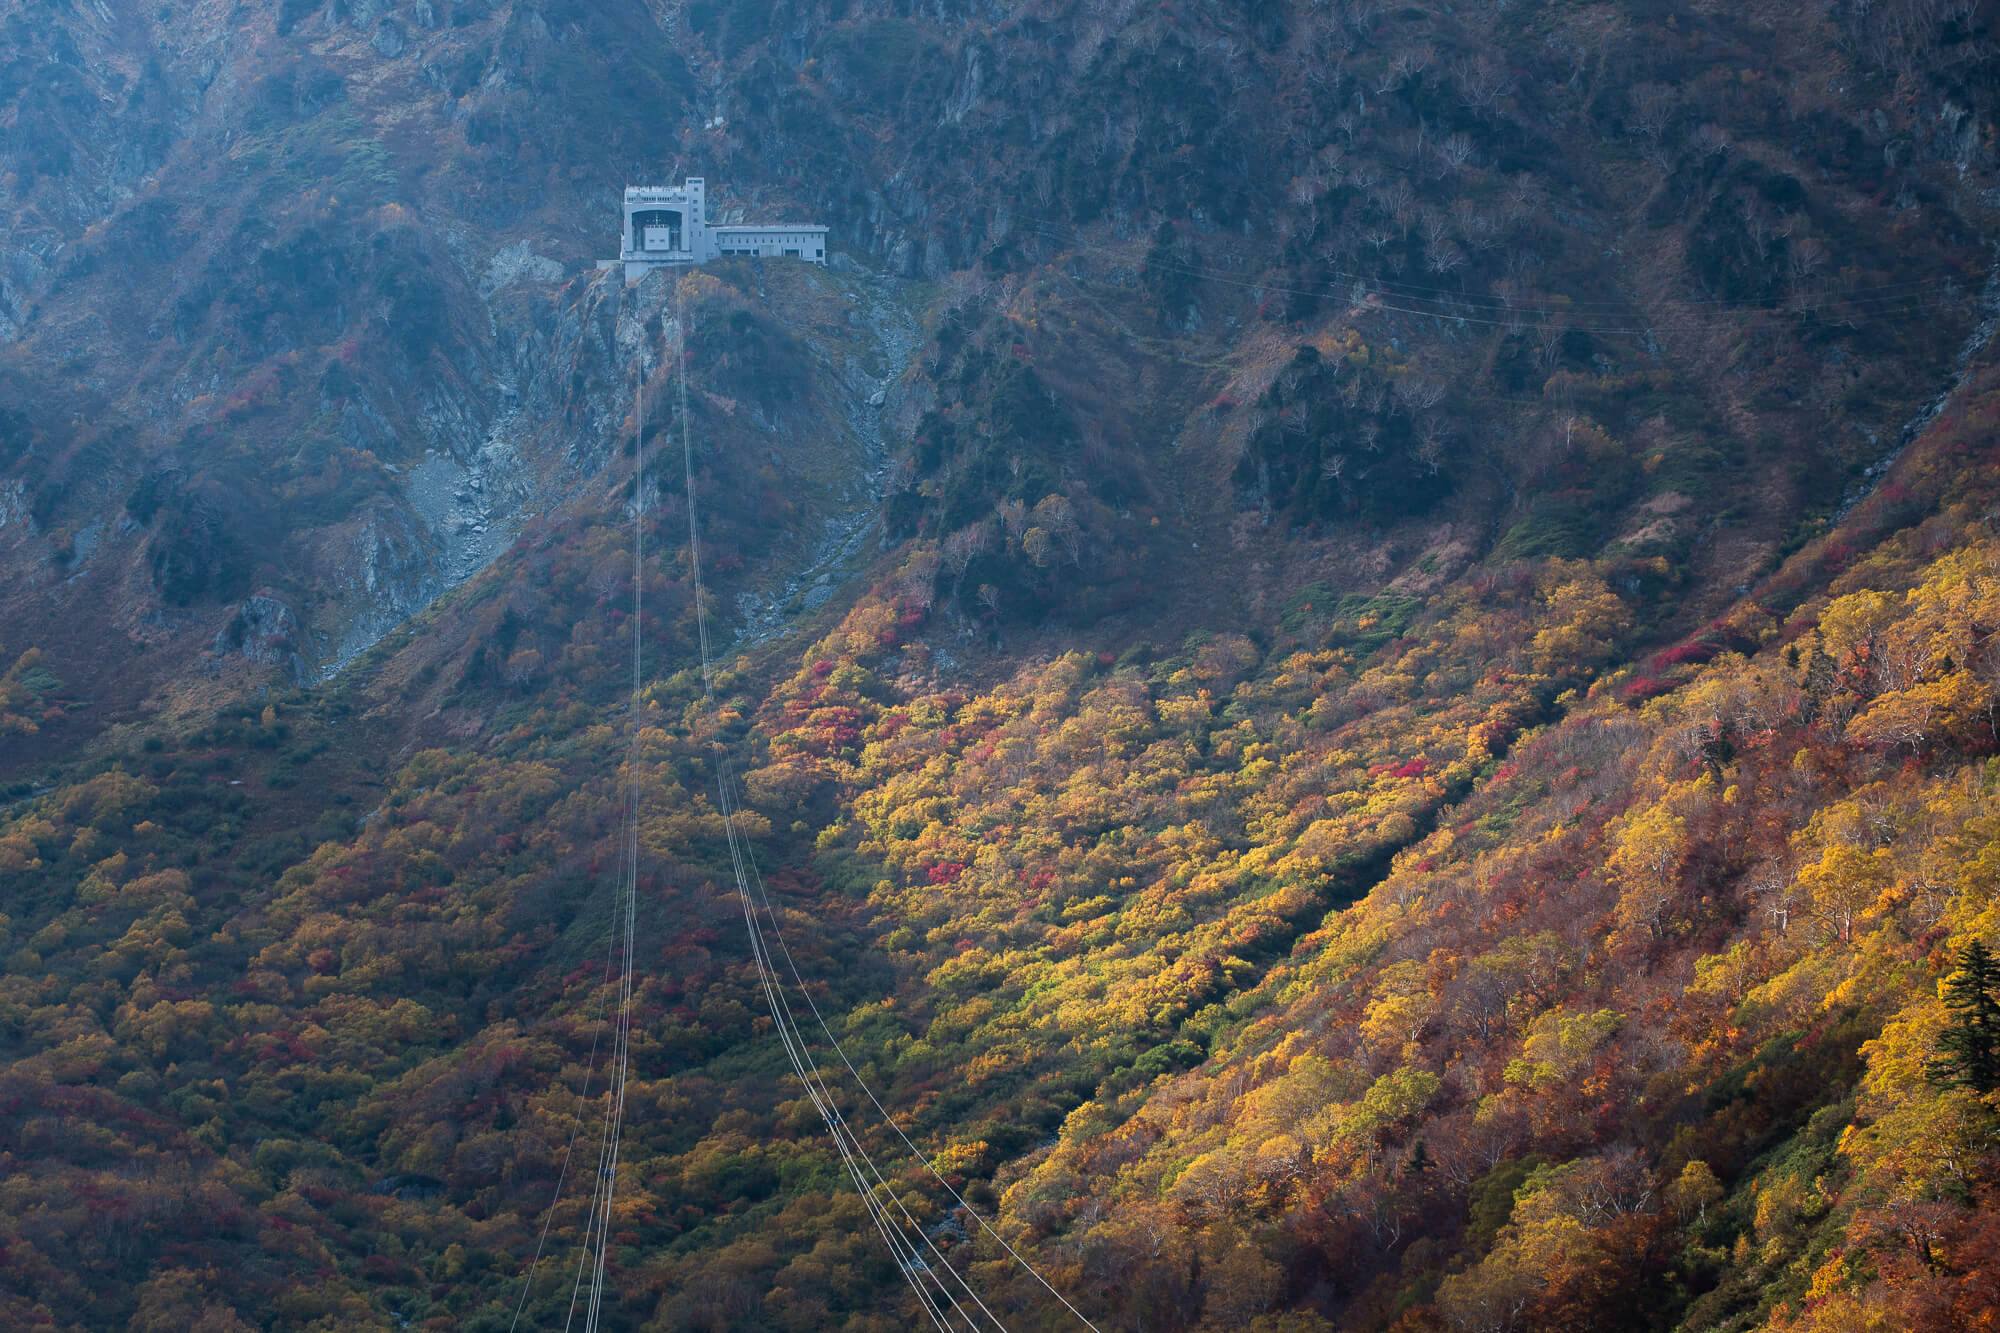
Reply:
x=1344 y=675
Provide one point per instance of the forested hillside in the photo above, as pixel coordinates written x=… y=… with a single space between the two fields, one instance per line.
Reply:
x=1358 y=640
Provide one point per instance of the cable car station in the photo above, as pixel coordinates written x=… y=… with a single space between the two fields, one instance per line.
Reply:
x=667 y=226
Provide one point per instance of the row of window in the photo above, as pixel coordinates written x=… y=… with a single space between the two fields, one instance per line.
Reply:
x=792 y=252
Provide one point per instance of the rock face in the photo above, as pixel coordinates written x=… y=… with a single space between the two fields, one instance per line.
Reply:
x=324 y=396
x=263 y=630
x=300 y=297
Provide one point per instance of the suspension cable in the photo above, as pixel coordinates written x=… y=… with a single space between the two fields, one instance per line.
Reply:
x=582 y=1099
x=621 y=1042
x=869 y=1179
x=757 y=904
x=834 y=1042
x=594 y=1252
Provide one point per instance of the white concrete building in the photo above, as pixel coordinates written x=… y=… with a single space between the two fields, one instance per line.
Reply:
x=668 y=225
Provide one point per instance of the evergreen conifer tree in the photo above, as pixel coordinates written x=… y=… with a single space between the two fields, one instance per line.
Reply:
x=1969 y=1048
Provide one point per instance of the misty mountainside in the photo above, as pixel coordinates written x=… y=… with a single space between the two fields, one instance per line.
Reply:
x=1352 y=644
x=302 y=324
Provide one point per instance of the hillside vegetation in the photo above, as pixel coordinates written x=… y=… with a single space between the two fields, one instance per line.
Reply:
x=1362 y=663
x=1396 y=970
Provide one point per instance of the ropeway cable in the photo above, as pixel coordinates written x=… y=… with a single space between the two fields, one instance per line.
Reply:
x=598 y=1237
x=746 y=872
x=615 y=1109
x=582 y=1099
x=854 y=1153
x=834 y=1041
x=786 y=1034
x=900 y=1248
x=809 y=1073
x=587 y=1290
x=629 y=860
x=799 y=981
x=855 y=1158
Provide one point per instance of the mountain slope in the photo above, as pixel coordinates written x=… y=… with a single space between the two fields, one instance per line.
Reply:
x=349 y=225
x=1358 y=640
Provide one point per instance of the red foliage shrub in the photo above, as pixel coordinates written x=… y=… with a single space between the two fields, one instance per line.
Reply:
x=1696 y=651
x=1641 y=688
